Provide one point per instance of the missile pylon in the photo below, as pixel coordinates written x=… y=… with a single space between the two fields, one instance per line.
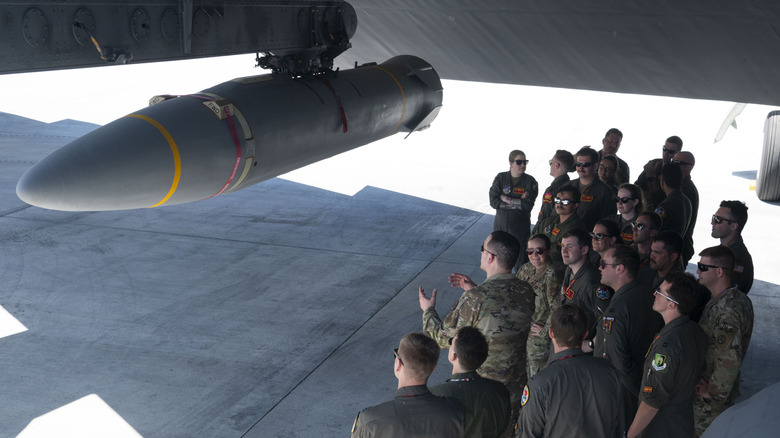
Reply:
x=193 y=147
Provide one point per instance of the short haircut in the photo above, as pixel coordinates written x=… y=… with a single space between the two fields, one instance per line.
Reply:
x=571 y=189
x=721 y=256
x=587 y=151
x=675 y=140
x=419 y=353
x=582 y=236
x=614 y=131
x=569 y=325
x=543 y=237
x=672 y=175
x=471 y=347
x=672 y=241
x=627 y=257
x=565 y=158
x=506 y=248
x=514 y=154
x=653 y=218
x=739 y=210
x=684 y=289
x=613 y=229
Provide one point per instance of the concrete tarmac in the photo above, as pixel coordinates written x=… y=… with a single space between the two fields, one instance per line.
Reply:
x=273 y=311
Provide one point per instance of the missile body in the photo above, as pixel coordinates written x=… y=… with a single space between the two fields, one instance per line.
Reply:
x=236 y=134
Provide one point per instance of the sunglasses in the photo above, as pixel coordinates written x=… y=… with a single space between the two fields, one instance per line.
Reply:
x=704 y=268
x=682 y=163
x=551 y=161
x=605 y=264
x=718 y=219
x=599 y=236
x=639 y=226
x=584 y=164
x=482 y=248
x=521 y=162
x=658 y=292
x=538 y=251
x=395 y=354
x=563 y=201
x=623 y=200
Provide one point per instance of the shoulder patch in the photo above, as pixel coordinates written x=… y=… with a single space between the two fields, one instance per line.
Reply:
x=524 y=399
x=739 y=269
x=603 y=293
x=660 y=211
x=548 y=198
x=659 y=362
x=647 y=389
x=606 y=323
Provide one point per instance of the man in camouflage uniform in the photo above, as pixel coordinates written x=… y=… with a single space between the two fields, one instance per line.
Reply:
x=728 y=322
x=501 y=308
x=545 y=278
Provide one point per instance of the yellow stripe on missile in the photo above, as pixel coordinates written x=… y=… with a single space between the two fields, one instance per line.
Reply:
x=176 y=156
x=403 y=97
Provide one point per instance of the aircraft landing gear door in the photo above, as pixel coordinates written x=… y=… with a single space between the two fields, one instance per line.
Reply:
x=768 y=180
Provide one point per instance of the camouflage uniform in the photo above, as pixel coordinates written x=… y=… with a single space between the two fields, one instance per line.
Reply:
x=728 y=322
x=501 y=308
x=546 y=283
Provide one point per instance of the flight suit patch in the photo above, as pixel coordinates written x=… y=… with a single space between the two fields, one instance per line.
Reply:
x=548 y=198
x=627 y=237
x=660 y=211
x=659 y=362
x=518 y=190
x=524 y=399
x=586 y=198
x=555 y=231
x=606 y=323
x=602 y=293
x=648 y=389
x=569 y=293
x=507 y=190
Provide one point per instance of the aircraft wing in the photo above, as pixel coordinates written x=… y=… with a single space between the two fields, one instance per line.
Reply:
x=709 y=49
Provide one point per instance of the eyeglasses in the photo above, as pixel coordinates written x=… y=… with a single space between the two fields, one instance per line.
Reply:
x=395 y=354
x=599 y=236
x=563 y=202
x=638 y=225
x=718 y=219
x=521 y=162
x=623 y=200
x=704 y=268
x=682 y=163
x=551 y=161
x=605 y=264
x=538 y=251
x=482 y=248
x=583 y=164
x=669 y=150
x=658 y=292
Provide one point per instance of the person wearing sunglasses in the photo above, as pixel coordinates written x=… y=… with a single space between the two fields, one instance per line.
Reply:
x=627 y=325
x=611 y=144
x=673 y=363
x=727 y=225
x=595 y=196
x=605 y=236
x=545 y=278
x=675 y=211
x=645 y=228
x=513 y=195
x=575 y=395
x=566 y=218
x=415 y=411
x=629 y=205
x=486 y=400
x=560 y=165
x=728 y=322
x=501 y=307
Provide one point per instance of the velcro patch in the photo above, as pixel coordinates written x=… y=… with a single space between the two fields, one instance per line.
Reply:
x=548 y=198
x=518 y=190
x=603 y=293
x=660 y=211
x=648 y=389
x=569 y=293
x=606 y=323
x=586 y=198
x=659 y=362
x=524 y=399
x=555 y=231
x=739 y=269
x=507 y=190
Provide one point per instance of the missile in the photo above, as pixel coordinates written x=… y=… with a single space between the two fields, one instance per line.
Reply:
x=239 y=133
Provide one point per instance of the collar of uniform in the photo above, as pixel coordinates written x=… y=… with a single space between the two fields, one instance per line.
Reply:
x=626 y=287
x=675 y=323
x=412 y=391
x=562 y=178
x=568 y=352
x=468 y=375
x=731 y=290
x=587 y=267
x=508 y=276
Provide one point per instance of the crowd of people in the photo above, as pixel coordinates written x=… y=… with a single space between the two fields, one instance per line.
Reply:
x=587 y=324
